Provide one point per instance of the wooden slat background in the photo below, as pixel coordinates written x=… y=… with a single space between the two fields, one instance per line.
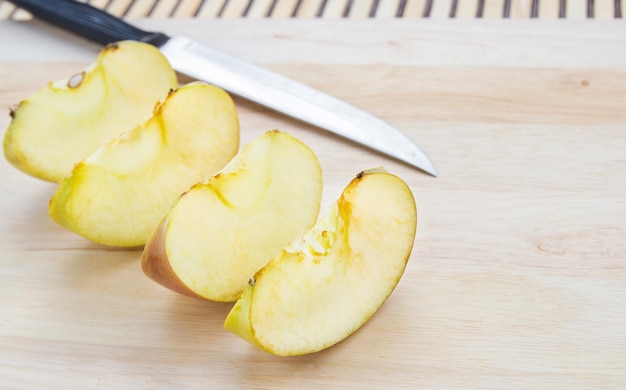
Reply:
x=436 y=9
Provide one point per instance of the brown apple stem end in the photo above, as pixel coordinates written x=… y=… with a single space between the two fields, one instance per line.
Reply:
x=156 y=266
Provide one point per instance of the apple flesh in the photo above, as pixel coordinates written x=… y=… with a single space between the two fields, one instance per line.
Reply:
x=224 y=229
x=68 y=120
x=326 y=285
x=118 y=195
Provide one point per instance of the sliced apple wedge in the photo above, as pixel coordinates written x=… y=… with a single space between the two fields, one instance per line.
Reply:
x=118 y=195
x=327 y=284
x=68 y=120
x=224 y=229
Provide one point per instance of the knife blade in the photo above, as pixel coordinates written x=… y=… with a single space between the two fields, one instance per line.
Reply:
x=238 y=77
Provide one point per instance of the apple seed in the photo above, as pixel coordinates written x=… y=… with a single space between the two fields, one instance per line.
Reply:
x=76 y=80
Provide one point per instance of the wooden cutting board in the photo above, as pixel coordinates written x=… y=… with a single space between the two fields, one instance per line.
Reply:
x=518 y=275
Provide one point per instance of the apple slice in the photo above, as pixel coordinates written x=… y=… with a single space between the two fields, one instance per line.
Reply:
x=226 y=228
x=327 y=284
x=68 y=120
x=118 y=195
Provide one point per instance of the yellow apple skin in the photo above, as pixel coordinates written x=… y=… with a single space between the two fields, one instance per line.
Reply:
x=119 y=194
x=326 y=285
x=68 y=120
x=224 y=229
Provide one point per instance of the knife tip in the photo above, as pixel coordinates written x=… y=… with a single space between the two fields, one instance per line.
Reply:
x=430 y=169
x=432 y=172
x=407 y=151
x=419 y=160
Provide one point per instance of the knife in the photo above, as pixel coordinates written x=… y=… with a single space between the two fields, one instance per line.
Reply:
x=238 y=77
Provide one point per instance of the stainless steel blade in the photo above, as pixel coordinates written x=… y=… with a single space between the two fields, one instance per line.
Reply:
x=293 y=99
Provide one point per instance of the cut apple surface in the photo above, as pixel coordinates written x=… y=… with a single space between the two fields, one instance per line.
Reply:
x=118 y=195
x=327 y=284
x=226 y=228
x=68 y=120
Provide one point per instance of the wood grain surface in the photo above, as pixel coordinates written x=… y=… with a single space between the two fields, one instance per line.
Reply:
x=518 y=275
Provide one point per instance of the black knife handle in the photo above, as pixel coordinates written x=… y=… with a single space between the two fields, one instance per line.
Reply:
x=87 y=21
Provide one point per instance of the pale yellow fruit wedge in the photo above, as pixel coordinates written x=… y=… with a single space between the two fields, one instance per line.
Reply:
x=68 y=120
x=226 y=228
x=119 y=194
x=326 y=285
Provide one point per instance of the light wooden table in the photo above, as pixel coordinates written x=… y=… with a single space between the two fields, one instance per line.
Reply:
x=518 y=276
x=352 y=9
